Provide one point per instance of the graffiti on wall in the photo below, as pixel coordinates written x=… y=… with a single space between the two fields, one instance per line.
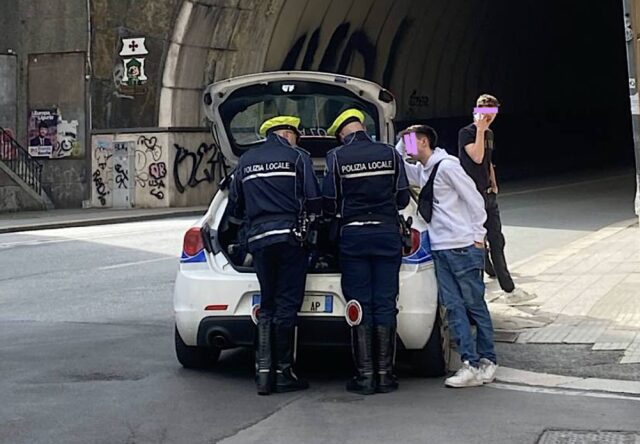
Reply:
x=150 y=170
x=102 y=175
x=191 y=168
x=342 y=49
x=120 y=165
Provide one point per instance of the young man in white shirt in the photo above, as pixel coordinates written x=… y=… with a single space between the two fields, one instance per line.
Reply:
x=457 y=236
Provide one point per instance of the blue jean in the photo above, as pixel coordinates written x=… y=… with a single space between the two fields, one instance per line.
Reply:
x=461 y=291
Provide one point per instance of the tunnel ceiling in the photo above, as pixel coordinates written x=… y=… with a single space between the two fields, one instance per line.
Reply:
x=436 y=56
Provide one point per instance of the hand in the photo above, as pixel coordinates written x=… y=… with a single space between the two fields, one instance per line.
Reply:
x=479 y=245
x=494 y=189
x=483 y=123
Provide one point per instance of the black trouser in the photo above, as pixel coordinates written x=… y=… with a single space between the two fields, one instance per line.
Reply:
x=282 y=273
x=497 y=242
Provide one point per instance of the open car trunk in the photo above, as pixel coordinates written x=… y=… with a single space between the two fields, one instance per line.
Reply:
x=231 y=240
x=237 y=108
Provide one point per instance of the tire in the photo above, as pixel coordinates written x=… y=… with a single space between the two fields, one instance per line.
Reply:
x=431 y=360
x=195 y=357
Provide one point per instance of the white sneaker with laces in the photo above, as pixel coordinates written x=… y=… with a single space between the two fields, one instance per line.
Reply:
x=516 y=297
x=487 y=371
x=466 y=376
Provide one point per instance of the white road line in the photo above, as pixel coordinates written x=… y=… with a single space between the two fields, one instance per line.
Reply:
x=565 y=392
x=557 y=187
x=128 y=264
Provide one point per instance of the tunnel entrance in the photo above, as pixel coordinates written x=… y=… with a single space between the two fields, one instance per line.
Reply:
x=558 y=68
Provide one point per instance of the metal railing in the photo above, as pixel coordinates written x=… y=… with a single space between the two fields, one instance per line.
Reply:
x=20 y=161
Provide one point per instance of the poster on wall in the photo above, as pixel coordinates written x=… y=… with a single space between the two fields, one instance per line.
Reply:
x=43 y=132
x=51 y=136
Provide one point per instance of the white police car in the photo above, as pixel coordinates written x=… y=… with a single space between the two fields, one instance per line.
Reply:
x=217 y=295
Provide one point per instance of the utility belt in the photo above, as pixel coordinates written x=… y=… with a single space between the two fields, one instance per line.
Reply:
x=303 y=230
x=274 y=217
x=369 y=219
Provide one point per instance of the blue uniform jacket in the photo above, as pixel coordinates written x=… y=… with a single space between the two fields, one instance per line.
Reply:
x=272 y=185
x=366 y=183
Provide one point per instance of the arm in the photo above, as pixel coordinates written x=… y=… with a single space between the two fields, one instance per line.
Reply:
x=466 y=190
x=402 y=185
x=475 y=150
x=413 y=171
x=492 y=179
x=236 y=206
x=330 y=187
x=313 y=197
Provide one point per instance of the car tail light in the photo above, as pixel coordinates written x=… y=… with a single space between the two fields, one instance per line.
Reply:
x=193 y=243
x=220 y=307
x=415 y=243
x=255 y=312
x=353 y=313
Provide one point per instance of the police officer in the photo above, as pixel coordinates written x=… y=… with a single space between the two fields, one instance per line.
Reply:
x=275 y=190
x=364 y=187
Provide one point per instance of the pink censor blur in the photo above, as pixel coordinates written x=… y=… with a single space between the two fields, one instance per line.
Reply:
x=411 y=144
x=485 y=110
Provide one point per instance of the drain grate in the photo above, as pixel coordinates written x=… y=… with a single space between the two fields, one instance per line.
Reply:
x=588 y=437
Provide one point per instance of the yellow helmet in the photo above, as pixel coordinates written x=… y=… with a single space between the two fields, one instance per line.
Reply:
x=280 y=122
x=346 y=117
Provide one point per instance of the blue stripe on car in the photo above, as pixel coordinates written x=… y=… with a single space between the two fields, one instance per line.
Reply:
x=422 y=254
x=186 y=259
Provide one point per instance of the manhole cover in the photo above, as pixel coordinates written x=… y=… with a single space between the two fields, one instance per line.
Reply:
x=588 y=437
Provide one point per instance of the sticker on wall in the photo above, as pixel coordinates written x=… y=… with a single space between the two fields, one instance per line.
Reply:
x=133 y=55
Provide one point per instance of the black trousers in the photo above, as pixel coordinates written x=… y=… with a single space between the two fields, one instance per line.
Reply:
x=282 y=273
x=497 y=243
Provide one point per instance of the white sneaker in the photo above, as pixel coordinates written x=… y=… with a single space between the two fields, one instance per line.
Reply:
x=516 y=297
x=467 y=376
x=487 y=371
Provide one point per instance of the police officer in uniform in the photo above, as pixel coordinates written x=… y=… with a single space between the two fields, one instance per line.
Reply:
x=364 y=187
x=275 y=191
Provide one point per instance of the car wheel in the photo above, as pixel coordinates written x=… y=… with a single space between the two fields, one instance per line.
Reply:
x=432 y=359
x=195 y=357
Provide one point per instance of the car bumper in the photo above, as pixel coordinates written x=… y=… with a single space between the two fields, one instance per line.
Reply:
x=240 y=331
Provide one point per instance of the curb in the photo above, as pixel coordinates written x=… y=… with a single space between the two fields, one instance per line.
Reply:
x=548 y=380
x=100 y=221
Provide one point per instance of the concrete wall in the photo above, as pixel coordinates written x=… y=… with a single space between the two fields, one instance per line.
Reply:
x=112 y=21
x=39 y=30
x=168 y=169
x=14 y=198
x=8 y=91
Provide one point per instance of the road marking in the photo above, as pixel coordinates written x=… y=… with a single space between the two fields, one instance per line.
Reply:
x=566 y=185
x=38 y=242
x=128 y=264
x=565 y=392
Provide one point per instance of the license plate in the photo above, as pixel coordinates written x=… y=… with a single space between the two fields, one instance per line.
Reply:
x=310 y=304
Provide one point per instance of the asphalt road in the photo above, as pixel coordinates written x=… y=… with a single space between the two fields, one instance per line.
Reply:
x=86 y=348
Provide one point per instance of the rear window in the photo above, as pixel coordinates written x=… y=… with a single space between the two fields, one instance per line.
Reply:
x=317 y=105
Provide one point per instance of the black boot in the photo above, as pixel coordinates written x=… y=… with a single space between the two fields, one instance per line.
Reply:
x=264 y=372
x=386 y=351
x=286 y=379
x=362 y=350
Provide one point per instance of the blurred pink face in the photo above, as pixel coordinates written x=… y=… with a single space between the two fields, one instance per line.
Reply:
x=42 y=132
x=490 y=116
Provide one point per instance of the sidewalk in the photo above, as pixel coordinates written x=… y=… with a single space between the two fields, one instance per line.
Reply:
x=588 y=293
x=42 y=220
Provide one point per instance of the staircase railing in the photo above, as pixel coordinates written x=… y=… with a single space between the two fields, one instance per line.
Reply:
x=20 y=161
